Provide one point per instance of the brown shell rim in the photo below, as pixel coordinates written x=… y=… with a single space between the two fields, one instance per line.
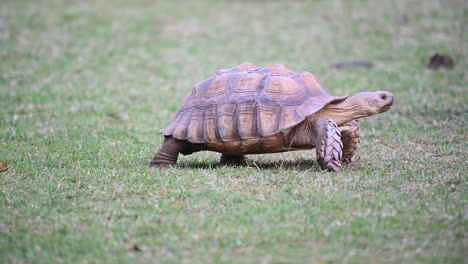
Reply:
x=337 y=99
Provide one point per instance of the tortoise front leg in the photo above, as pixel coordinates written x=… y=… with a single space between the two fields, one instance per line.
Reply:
x=350 y=139
x=328 y=144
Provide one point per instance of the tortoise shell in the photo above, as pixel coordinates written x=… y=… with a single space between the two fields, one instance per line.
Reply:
x=248 y=102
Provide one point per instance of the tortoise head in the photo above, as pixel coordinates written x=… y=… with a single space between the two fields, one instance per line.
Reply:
x=372 y=102
x=357 y=106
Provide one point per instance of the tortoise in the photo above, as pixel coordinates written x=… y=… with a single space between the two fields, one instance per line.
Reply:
x=254 y=110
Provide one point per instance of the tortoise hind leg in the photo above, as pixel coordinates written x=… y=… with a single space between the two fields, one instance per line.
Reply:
x=328 y=144
x=232 y=159
x=168 y=153
x=350 y=139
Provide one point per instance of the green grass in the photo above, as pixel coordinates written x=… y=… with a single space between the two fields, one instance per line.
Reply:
x=85 y=87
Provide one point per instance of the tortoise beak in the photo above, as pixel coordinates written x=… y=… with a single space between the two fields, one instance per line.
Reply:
x=387 y=98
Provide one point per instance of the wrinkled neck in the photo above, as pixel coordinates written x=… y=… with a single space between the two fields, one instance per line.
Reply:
x=343 y=112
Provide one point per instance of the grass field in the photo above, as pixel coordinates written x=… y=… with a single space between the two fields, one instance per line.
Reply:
x=85 y=86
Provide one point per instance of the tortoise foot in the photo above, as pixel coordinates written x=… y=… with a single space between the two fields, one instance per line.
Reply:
x=236 y=160
x=161 y=165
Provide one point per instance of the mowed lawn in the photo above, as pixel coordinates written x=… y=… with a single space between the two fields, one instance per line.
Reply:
x=85 y=87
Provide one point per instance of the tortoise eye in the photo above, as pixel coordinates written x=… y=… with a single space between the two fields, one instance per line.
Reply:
x=383 y=96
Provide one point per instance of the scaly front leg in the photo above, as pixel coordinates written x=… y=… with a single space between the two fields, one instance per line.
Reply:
x=350 y=139
x=328 y=144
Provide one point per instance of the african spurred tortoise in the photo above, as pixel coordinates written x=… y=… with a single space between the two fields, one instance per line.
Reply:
x=253 y=110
